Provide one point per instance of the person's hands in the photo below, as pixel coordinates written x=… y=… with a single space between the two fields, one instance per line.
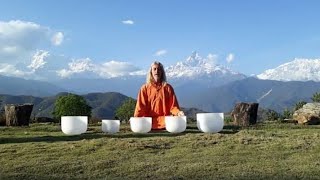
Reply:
x=180 y=113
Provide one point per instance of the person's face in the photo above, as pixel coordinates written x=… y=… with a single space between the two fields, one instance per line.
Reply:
x=156 y=73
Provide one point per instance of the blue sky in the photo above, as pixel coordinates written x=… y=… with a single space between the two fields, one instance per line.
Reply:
x=259 y=34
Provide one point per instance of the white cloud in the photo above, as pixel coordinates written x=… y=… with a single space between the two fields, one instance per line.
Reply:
x=76 y=67
x=161 y=52
x=9 y=49
x=22 y=55
x=85 y=67
x=230 y=58
x=129 y=22
x=38 y=60
x=212 y=58
x=117 y=68
x=20 y=39
x=42 y=66
x=57 y=39
x=11 y=70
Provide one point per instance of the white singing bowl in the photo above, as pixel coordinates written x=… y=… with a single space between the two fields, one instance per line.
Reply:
x=176 y=124
x=140 y=124
x=210 y=122
x=110 y=126
x=74 y=125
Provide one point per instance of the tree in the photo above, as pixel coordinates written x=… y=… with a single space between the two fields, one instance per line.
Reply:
x=299 y=105
x=272 y=115
x=71 y=105
x=287 y=114
x=126 y=110
x=316 y=97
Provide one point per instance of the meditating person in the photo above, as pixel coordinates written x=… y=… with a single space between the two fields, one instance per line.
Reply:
x=156 y=98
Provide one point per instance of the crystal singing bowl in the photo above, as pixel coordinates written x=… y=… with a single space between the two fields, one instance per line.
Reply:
x=74 y=125
x=210 y=122
x=140 y=124
x=110 y=126
x=176 y=124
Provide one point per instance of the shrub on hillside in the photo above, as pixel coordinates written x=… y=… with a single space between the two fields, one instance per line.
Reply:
x=126 y=110
x=316 y=97
x=94 y=120
x=299 y=105
x=272 y=115
x=71 y=105
x=287 y=114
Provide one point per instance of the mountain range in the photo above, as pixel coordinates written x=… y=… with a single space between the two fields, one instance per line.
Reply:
x=198 y=82
x=103 y=105
x=270 y=94
x=296 y=70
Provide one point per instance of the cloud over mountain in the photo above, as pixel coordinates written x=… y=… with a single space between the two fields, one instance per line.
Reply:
x=19 y=39
x=25 y=52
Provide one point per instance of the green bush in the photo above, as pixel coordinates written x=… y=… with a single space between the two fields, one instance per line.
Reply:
x=316 y=97
x=126 y=110
x=272 y=115
x=299 y=105
x=228 y=120
x=287 y=114
x=71 y=105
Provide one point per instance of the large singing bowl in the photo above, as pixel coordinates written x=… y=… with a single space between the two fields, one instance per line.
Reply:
x=176 y=124
x=140 y=124
x=74 y=125
x=210 y=122
x=110 y=126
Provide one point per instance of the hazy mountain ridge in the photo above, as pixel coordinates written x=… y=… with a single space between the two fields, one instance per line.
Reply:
x=276 y=95
x=19 y=86
x=103 y=104
x=204 y=85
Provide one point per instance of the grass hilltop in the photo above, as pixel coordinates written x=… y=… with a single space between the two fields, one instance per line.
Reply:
x=263 y=151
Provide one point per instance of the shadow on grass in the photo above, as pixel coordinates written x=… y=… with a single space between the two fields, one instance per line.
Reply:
x=50 y=139
x=230 y=129
x=227 y=129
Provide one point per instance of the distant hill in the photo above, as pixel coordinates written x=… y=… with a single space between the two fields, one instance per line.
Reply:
x=103 y=104
x=127 y=86
x=270 y=94
x=20 y=86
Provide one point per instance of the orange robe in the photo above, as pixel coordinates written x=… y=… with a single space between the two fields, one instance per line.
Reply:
x=156 y=101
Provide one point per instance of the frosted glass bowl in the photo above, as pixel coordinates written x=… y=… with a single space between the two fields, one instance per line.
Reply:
x=176 y=124
x=140 y=124
x=110 y=126
x=210 y=122
x=74 y=125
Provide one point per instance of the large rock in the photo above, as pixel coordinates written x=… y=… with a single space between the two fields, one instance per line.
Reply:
x=245 y=114
x=18 y=114
x=2 y=117
x=308 y=114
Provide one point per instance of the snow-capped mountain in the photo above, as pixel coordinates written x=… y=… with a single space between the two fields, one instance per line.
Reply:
x=296 y=70
x=203 y=70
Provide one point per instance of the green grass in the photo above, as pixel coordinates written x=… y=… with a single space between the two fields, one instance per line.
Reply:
x=264 y=151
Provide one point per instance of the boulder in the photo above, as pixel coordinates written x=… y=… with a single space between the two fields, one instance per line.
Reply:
x=2 y=117
x=18 y=114
x=245 y=114
x=308 y=114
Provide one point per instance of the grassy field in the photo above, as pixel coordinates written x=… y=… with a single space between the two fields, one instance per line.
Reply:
x=264 y=151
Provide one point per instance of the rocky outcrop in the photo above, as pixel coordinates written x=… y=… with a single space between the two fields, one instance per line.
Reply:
x=18 y=114
x=2 y=117
x=245 y=114
x=308 y=114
